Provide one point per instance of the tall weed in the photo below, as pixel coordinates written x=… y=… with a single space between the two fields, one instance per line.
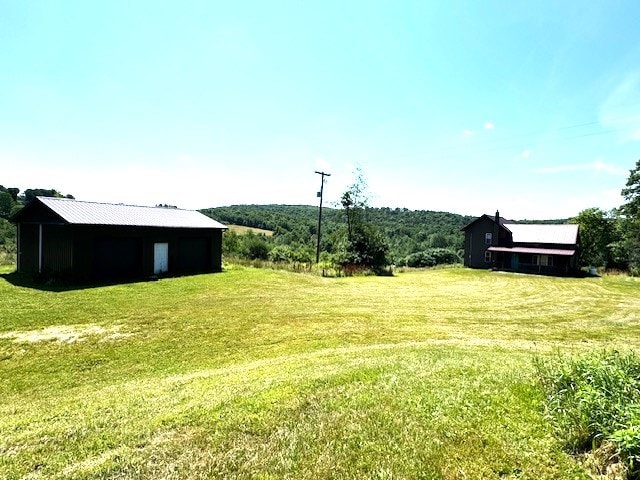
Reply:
x=595 y=400
x=7 y=254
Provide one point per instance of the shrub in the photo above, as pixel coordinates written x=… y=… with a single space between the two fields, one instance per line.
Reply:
x=594 y=400
x=281 y=253
x=420 y=259
x=256 y=247
x=291 y=254
x=431 y=257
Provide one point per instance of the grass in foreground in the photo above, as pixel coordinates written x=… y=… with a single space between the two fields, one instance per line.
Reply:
x=594 y=402
x=266 y=374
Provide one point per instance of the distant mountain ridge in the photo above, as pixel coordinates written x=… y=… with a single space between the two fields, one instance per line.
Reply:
x=408 y=231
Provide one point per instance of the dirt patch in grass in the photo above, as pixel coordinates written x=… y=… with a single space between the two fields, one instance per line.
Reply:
x=66 y=334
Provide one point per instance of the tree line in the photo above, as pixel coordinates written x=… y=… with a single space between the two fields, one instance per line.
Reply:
x=611 y=239
x=608 y=239
x=355 y=234
x=12 y=200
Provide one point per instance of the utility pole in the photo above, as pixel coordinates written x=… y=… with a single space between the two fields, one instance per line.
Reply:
x=323 y=174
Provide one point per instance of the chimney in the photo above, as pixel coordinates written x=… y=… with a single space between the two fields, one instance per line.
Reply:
x=497 y=219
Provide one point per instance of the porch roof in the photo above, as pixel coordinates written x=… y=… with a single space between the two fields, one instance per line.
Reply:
x=538 y=251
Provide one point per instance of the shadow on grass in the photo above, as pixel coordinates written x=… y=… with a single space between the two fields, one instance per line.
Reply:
x=51 y=284
x=570 y=274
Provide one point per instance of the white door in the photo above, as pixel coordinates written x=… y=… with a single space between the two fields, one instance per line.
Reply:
x=160 y=258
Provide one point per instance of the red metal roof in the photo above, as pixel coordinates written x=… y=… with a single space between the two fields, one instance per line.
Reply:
x=538 y=251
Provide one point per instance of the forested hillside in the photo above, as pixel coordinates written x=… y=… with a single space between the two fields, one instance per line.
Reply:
x=295 y=226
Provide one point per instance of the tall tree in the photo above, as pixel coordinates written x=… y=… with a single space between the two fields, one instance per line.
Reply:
x=355 y=202
x=631 y=193
x=630 y=217
x=596 y=234
x=6 y=204
x=365 y=245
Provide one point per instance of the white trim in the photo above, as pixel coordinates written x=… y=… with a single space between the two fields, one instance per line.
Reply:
x=40 y=248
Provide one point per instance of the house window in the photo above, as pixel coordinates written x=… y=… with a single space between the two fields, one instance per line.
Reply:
x=487 y=256
x=488 y=238
x=543 y=260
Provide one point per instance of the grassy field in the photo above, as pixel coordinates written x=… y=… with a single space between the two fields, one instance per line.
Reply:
x=241 y=230
x=268 y=374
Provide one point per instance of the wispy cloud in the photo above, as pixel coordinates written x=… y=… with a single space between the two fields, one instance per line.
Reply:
x=620 y=110
x=526 y=154
x=467 y=132
x=595 y=166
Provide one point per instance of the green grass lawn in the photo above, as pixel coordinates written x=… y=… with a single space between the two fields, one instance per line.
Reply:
x=268 y=374
x=241 y=230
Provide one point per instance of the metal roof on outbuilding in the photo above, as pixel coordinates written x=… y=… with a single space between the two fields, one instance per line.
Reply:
x=92 y=213
x=562 y=234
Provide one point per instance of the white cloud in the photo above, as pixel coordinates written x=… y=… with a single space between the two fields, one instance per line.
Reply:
x=467 y=132
x=599 y=166
x=489 y=126
x=604 y=199
x=526 y=154
x=596 y=166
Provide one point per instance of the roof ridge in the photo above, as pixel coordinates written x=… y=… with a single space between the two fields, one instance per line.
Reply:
x=545 y=224
x=113 y=204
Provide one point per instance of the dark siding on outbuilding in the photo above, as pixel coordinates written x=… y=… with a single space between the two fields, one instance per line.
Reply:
x=117 y=257
x=57 y=250
x=192 y=252
x=99 y=252
x=119 y=252
x=28 y=248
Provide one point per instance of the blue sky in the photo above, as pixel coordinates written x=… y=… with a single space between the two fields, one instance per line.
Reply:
x=532 y=108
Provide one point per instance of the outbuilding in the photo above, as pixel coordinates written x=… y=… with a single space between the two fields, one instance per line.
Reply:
x=60 y=237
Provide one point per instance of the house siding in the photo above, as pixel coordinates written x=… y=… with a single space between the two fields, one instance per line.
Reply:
x=547 y=260
x=523 y=262
x=474 y=242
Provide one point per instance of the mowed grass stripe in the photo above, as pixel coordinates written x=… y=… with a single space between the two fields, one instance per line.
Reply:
x=267 y=374
x=408 y=411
